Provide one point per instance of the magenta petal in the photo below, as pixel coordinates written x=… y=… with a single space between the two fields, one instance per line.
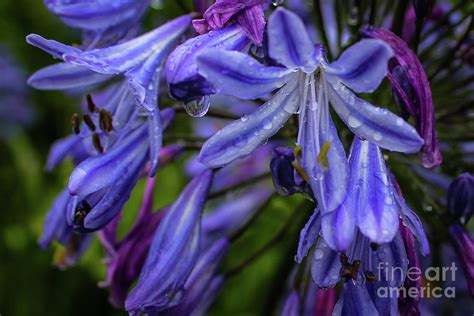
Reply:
x=418 y=102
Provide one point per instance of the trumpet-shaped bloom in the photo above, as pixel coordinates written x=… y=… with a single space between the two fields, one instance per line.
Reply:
x=173 y=253
x=307 y=85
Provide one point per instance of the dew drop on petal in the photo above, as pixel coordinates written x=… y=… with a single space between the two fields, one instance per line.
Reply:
x=399 y=121
x=354 y=122
x=378 y=136
x=198 y=108
x=318 y=254
x=267 y=124
x=244 y=118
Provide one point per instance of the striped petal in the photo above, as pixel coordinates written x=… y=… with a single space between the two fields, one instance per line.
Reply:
x=377 y=125
x=242 y=137
x=237 y=74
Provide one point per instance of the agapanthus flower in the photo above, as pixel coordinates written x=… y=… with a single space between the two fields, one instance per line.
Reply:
x=464 y=247
x=173 y=253
x=307 y=84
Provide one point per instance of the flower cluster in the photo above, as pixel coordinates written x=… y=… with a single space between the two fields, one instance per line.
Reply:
x=295 y=110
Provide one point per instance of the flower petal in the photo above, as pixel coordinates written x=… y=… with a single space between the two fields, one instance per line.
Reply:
x=377 y=125
x=325 y=265
x=184 y=81
x=371 y=193
x=354 y=301
x=308 y=235
x=339 y=226
x=292 y=305
x=174 y=251
x=64 y=76
x=237 y=74
x=54 y=48
x=242 y=137
x=98 y=172
x=362 y=66
x=289 y=43
x=123 y=57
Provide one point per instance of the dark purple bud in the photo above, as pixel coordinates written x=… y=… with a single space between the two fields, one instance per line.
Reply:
x=413 y=91
x=461 y=197
x=284 y=176
x=464 y=247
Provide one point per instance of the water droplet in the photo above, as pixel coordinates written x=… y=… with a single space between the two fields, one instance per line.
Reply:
x=318 y=254
x=267 y=124
x=378 y=136
x=244 y=118
x=277 y=2
x=388 y=200
x=198 y=108
x=354 y=122
x=240 y=141
x=399 y=121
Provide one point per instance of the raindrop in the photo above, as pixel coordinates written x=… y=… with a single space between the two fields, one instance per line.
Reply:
x=399 y=121
x=267 y=124
x=277 y=2
x=318 y=254
x=354 y=122
x=244 y=118
x=378 y=136
x=198 y=108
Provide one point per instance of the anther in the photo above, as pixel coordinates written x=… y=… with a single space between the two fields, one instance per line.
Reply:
x=89 y=122
x=90 y=104
x=105 y=120
x=76 y=122
x=96 y=142
x=374 y=246
x=355 y=268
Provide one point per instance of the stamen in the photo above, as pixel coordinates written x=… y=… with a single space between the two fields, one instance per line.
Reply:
x=90 y=104
x=76 y=122
x=96 y=142
x=370 y=276
x=105 y=120
x=89 y=122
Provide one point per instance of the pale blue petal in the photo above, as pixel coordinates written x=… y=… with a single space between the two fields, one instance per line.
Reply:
x=308 y=235
x=56 y=49
x=237 y=74
x=289 y=43
x=363 y=65
x=339 y=226
x=370 y=189
x=123 y=57
x=242 y=137
x=372 y=123
x=325 y=265
x=64 y=76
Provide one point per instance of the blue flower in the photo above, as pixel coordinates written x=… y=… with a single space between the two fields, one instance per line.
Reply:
x=461 y=197
x=307 y=84
x=173 y=253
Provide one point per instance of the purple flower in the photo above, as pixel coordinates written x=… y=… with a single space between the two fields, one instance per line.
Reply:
x=307 y=85
x=173 y=253
x=412 y=87
x=464 y=246
x=184 y=81
x=98 y=16
x=461 y=197
x=248 y=14
x=57 y=228
x=371 y=203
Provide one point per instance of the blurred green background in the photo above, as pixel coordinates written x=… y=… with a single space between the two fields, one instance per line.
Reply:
x=29 y=283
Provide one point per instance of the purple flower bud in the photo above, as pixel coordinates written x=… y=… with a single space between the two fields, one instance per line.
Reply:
x=173 y=253
x=413 y=89
x=461 y=197
x=464 y=246
x=285 y=179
